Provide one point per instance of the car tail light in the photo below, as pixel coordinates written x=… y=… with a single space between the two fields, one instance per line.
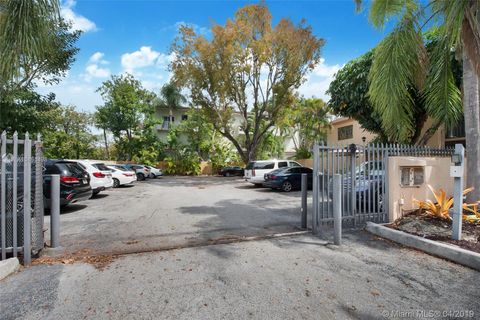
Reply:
x=253 y=172
x=128 y=174
x=98 y=175
x=68 y=179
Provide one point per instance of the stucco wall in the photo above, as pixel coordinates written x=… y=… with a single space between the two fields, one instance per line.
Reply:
x=436 y=174
x=358 y=132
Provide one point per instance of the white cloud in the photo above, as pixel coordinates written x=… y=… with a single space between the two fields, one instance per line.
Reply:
x=78 y=22
x=319 y=80
x=97 y=57
x=81 y=95
x=94 y=71
x=196 y=28
x=138 y=59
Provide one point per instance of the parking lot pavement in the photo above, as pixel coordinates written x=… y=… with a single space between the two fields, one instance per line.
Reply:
x=299 y=277
x=176 y=212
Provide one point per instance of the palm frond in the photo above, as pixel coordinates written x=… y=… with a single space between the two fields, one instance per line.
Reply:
x=24 y=26
x=398 y=65
x=382 y=10
x=443 y=99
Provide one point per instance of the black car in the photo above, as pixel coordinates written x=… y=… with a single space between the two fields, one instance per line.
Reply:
x=288 y=179
x=231 y=171
x=74 y=182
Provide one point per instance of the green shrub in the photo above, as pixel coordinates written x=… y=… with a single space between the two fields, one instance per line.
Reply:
x=182 y=162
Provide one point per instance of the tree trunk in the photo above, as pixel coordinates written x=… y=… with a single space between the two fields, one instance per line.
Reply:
x=471 y=109
x=106 y=144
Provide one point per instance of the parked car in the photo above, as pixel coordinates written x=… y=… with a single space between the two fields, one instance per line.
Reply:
x=288 y=179
x=154 y=172
x=255 y=171
x=142 y=172
x=368 y=180
x=231 y=171
x=100 y=175
x=122 y=176
x=74 y=182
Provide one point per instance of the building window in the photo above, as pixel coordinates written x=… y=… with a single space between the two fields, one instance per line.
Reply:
x=184 y=117
x=412 y=176
x=345 y=132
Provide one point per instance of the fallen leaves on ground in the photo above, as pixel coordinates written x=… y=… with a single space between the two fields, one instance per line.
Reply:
x=84 y=255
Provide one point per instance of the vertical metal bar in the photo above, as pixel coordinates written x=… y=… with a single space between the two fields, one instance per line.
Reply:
x=27 y=177
x=385 y=186
x=304 y=201
x=55 y=209
x=370 y=183
x=3 y=187
x=343 y=175
x=337 y=209
x=327 y=165
x=37 y=229
x=352 y=184
x=377 y=183
x=315 y=187
x=324 y=183
x=15 y=196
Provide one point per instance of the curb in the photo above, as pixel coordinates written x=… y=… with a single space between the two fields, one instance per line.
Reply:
x=9 y=266
x=442 y=250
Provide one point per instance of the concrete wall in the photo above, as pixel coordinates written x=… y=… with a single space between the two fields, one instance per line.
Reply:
x=436 y=174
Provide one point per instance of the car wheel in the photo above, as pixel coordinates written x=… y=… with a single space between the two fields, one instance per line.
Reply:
x=287 y=186
x=140 y=176
x=116 y=183
x=227 y=174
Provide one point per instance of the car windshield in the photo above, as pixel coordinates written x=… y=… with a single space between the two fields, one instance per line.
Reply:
x=70 y=168
x=101 y=166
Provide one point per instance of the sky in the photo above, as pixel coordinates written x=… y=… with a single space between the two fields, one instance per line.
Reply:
x=135 y=36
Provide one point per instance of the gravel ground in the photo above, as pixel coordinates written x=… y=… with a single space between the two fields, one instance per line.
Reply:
x=301 y=277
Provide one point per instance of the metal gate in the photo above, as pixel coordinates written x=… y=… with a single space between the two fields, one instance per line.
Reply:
x=364 y=171
x=21 y=196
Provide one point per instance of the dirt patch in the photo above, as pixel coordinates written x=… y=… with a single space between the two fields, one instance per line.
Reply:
x=84 y=255
x=431 y=228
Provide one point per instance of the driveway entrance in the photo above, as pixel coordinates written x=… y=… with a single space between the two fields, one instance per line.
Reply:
x=174 y=212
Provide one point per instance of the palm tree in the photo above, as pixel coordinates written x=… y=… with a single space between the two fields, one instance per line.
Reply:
x=24 y=25
x=400 y=62
x=171 y=98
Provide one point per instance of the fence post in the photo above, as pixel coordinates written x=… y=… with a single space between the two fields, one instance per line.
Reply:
x=315 y=188
x=458 y=194
x=55 y=211
x=3 y=188
x=304 y=200
x=27 y=207
x=337 y=209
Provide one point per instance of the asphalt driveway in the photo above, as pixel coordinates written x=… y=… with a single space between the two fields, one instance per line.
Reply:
x=174 y=212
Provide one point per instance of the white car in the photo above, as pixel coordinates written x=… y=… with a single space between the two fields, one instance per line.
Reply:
x=122 y=176
x=256 y=170
x=154 y=172
x=100 y=175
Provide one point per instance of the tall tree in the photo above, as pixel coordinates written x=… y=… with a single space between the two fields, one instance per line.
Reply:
x=25 y=30
x=127 y=107
x=70 y=136
x=171 y=98
x=401 y=62
x=248 y=68
x=306 y=122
